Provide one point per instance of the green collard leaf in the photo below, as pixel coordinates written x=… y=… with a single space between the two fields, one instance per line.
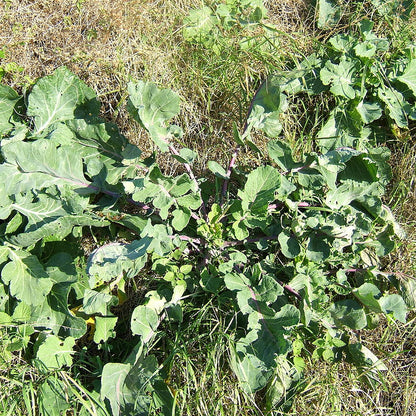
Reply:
x=369 y=111
x=364 y=358
x=365 y=49
x=399 y=8
x=144 y=322
x=369 y=295
x=281 y=153
x=329 y=13
x=55 y=228
x=104 y=328
x=342 y=129
x=409 y=76
x=266 y=107
x=152 y=108
x=198 y=25
x=237 y=136
x=348 y=313
x=268 y=290
x=55 y=353
x=56 y=98
x=8 y=100
x=240 y=230
x=181 y=218
x=396 y=105
x=112 y=381
x=241 y=285
x=259 y=189
x=98 y=139
x=217 y=169
x=186 y=156
x=318 y=248
x=407 y=291
x=288 y=244
x=41 y=164
x=53 y=313
x=346 y=193
x=160 y=238
x=250 y=370
x=26 y=277
x=4 y=298
x=98 y=302
x=341 y=77
x=115 y=260
x=53 y=397
x=394 y=305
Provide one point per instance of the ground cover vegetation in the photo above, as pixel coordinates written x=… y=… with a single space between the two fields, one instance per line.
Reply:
x=280 y=261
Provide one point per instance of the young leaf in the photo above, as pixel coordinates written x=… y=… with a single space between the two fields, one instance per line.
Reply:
x=281 y=153
x=217 y=169
x=259 y=189
x=288 y=245
x=152 y=108
x=26 y=277
x=395 y=305
x=144 y=322
x=8 y=100
x=98 y=302
x=341 y=77
x=56 y=97
x=198 y=25
x=55 y=353
x=113 y=260
x=349 y=313
x=266 y=106
x=409 y=76
x=329 y=13
x=104 y=328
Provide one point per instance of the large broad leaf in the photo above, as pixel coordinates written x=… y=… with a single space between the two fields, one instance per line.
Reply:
x=26 y=277
x=198 y=25
x=329 y=13
x=409 y=76
x=111 y=261
x=260 y=189
x=341 y=77
x=152 y=108
x=396 y=105
x=144 y=322
x=40 y=164
x=266 y=107
x=53 y=313
x=8 y=100
x=349 y=313
x=53 y=352
x=55 y=98
x=112 y=383
x=395 y=305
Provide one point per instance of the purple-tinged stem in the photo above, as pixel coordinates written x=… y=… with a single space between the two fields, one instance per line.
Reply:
x=229 y=170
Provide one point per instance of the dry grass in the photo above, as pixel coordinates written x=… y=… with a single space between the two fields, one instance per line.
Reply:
x=108 y=42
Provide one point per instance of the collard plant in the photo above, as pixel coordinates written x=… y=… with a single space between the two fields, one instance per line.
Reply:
x=229 y=25
x=370 y=82
x=291 y=248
